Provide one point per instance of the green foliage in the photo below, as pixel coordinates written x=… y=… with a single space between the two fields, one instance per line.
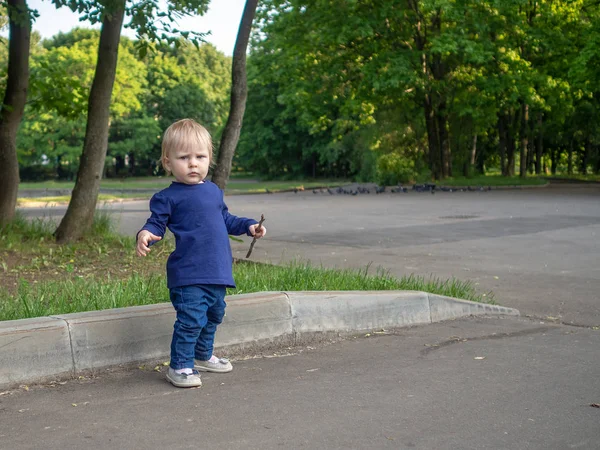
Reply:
x=347 y=72
x=90 y=294
x=370 y=90
x=153 y=21
x=392 y=169
x=171 y=83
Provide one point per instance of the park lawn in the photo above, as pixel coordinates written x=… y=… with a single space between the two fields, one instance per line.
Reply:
x=595 y=178
x=240 y=185
x=234 y=187
x=101 y=271
x=27 y=201
x=234 y=184
x=493 y=180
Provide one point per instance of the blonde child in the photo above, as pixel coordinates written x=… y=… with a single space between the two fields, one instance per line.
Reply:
x=199 y=270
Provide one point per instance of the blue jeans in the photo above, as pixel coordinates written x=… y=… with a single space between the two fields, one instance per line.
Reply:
x=200 y=308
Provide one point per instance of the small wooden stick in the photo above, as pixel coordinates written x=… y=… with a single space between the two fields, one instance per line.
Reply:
x=262 y=219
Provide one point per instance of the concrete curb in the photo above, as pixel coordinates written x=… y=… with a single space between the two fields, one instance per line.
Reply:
x=32 y=350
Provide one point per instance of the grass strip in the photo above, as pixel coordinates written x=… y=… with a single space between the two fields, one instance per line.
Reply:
x=39 y=277
x=493 y=180
x=86 y=294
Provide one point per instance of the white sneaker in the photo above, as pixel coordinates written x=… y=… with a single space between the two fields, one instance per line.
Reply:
x=222 y=365
x=184 y=379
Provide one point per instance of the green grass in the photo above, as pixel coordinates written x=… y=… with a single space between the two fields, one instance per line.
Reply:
x=303 y=276
x=493 y=180
x=81 y=294
x=23 y=201
x=108 y=183
x=245 y=186
x=85 y=294
x=234 y=186
x=101 y=271
x=37 y=233
x=577 y=177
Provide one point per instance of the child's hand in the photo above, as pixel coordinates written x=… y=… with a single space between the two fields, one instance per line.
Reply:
x=143 y=242
x=257 y=234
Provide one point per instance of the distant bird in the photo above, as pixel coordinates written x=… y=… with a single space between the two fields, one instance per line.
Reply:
x=268 y=191
x=399 y=188
x=379 y=189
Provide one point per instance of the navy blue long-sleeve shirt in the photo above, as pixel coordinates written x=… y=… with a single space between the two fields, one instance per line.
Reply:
x=200 y=221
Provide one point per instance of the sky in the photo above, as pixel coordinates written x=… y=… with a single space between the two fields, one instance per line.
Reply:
x=222 y=20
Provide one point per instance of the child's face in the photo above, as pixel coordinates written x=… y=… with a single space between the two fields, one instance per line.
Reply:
x=189 y=166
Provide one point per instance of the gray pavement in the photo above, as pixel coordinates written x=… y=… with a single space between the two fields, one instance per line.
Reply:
x=536 y=249
x=484 y=383
x=423 y=387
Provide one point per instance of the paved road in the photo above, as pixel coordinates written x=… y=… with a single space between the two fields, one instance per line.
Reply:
x=476 y=384
x=483 y=383
x=536 y=249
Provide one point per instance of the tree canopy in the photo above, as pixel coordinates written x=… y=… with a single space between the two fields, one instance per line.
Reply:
x=401 y=90
x=379 y=90
x=169 y=83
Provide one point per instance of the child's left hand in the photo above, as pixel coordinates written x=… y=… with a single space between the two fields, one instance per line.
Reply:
x=257 y=234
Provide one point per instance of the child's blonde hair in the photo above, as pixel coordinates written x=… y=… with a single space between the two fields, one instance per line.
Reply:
x=185 y=134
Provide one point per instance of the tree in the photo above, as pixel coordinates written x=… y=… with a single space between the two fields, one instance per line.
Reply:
x=13 y=105
x=239 y=93
x=80 y=213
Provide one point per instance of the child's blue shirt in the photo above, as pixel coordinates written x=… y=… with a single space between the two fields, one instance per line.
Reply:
x=200 y=221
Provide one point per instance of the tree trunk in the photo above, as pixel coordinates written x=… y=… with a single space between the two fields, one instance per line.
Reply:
x=80 y=213
x=132 y=163
x=586 y=156
x=13 y=106
x=473 y=150
x=570 y=158
x=511 y=143
x=530 y=150
x=239 y=93
x=524 y=140
x=554 y=155
x=444 y=140
x=539 y=150
x=433 y=139
x=502 y=143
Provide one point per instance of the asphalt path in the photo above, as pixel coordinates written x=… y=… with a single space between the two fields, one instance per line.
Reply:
x=477 y=383
x=484 y=383
x=536 y=249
